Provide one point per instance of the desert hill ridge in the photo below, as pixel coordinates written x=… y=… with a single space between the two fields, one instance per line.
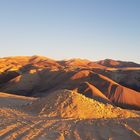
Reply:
x=63 y=104
x=35 y=84
x=70 y=104
x=45 y=99
x=65 y=115
x=38 y=76
x=117 y=63
x=102 y=62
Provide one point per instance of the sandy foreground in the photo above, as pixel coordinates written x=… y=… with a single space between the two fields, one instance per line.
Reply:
x=44 y=128
x=18 y=121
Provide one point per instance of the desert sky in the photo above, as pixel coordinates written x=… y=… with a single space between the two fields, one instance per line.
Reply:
x=91 y=29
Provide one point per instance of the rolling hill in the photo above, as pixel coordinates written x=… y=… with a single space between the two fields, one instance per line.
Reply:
x=46 y=99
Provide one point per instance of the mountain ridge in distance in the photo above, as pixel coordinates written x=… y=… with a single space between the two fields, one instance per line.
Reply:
x=117 y=63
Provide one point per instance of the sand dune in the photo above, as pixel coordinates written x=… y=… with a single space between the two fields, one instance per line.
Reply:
x=92 y=92
x=66 y=115
x=69 y=104
x=126 y=77
x=34 y=79
x=45 y=99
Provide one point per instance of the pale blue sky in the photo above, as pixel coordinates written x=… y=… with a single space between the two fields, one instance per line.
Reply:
x=92 y=29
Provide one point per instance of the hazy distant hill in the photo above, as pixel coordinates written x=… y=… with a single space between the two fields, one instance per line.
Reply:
x=117 y=64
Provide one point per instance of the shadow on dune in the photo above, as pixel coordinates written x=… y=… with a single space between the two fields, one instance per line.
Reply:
x=30 y=81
